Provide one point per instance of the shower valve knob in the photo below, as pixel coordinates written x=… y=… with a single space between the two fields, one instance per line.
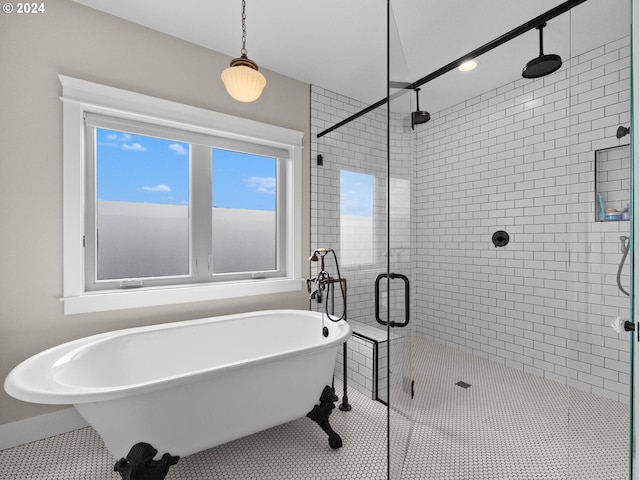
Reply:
x=620 y=325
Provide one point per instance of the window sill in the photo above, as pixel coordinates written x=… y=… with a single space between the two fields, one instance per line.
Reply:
x=156 y=296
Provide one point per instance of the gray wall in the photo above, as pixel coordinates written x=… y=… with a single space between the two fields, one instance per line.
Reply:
x=78 y=41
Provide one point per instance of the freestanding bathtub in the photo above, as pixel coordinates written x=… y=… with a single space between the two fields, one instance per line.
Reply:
x=187 y=386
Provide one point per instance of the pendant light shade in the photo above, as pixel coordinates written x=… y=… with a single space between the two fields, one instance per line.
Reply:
x=242 y=79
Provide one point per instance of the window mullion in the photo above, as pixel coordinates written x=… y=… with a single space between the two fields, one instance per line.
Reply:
x=283 y=178
x=200 y=212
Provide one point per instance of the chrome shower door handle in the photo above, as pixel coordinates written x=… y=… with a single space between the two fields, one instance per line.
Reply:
x=392 y=276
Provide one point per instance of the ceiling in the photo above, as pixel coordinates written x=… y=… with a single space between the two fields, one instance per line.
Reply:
x=341 y=45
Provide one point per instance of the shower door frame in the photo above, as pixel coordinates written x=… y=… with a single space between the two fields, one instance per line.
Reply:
x=635 y=232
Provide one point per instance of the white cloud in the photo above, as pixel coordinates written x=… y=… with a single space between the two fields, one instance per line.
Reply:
x=116 y=139
x=262 y=184
x=136 y=147
x=158 y=188
x=123 y=137
x=178 y=149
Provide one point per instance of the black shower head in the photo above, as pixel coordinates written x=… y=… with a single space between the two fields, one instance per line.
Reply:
x=543 y=64
x=621 y=132
x=419 y=116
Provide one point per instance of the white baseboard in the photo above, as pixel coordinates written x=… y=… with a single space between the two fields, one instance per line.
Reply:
x=43 y=426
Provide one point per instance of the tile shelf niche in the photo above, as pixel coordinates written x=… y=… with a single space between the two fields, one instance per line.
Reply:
x=613 y=186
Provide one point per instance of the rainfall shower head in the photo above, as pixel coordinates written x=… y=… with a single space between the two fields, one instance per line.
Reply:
x=543 y=64
x=419 y=116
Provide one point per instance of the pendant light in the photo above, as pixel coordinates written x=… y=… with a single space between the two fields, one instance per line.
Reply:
x=242 y=79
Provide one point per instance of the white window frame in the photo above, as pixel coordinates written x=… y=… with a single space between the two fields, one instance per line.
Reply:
x=80 y=97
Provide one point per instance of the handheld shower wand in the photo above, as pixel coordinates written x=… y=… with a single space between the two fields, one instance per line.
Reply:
x=624 y=248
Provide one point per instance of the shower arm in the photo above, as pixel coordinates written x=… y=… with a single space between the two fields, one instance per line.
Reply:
x=541 y=37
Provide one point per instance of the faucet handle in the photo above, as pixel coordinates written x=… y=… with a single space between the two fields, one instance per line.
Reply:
x=313 y=287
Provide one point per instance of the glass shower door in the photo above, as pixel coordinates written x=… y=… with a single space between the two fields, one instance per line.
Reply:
x=509 y=362
x=599 y=295
x=397 y=284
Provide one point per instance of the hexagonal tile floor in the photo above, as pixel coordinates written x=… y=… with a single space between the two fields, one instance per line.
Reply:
x=505 y=425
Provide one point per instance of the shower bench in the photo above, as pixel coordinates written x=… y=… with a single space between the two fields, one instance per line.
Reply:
x=367 y=351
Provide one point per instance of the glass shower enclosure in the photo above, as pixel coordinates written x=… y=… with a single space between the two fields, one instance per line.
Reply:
x=487 y=250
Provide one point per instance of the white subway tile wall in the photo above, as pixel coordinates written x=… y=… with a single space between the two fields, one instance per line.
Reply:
x=357 y=147
x=367 y=363
x=520 y=158
x=360 y=366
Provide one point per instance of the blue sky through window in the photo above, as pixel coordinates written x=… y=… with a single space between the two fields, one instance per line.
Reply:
x=139 y=168
x=244 y=181
x=356 y=194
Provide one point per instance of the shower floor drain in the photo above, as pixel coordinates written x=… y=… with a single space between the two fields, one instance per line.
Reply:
x=463 y=384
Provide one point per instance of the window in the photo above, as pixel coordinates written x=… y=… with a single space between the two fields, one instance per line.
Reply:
x=245 y=220
x=138 y=209
x=145 y=224
x=166 y=203
x=356 y=218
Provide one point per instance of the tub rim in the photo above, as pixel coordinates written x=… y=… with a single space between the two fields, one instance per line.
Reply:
x=48 y=390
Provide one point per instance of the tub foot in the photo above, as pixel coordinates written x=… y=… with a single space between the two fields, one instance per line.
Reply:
x=140 y=465
x=320 y=415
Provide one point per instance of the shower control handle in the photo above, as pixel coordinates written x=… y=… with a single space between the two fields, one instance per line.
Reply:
x=621 y=324
x=392 y=276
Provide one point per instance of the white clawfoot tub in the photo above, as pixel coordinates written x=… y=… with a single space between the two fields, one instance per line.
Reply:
x=187 y=386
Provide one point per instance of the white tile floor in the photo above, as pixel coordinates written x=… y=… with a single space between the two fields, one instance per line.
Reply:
x=507 y=425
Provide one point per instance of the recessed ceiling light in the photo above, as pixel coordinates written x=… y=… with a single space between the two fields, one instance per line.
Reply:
x=467 y=66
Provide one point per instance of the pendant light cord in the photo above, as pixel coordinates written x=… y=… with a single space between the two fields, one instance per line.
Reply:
x=243 y=52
